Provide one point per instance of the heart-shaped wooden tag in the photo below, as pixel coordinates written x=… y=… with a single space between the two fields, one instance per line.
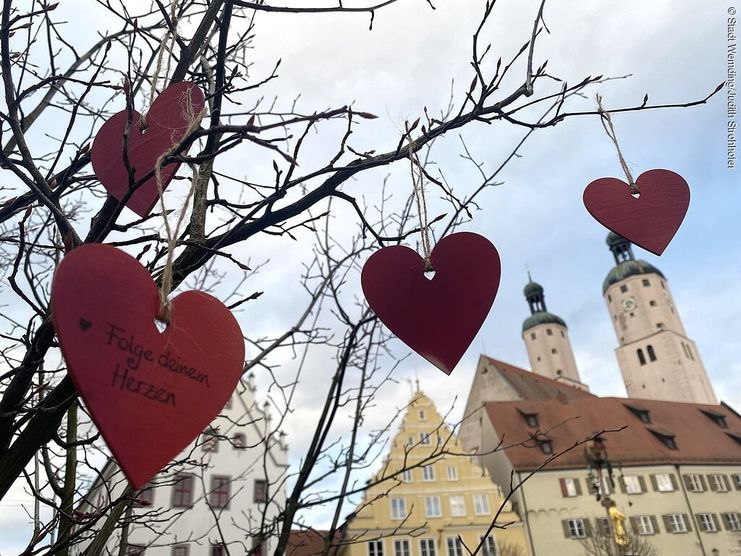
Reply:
x=437 y=317
x=149 y=392
x=167 y=120
x=649 y=220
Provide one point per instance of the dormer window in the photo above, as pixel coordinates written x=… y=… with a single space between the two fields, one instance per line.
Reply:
x=545 y=446
x=717 y=418
x=666 y=437
x=530 y=418
x=641 y=413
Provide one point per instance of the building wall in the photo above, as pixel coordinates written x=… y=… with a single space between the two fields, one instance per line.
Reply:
x=542 y=504
x=487 y=385
x=549 y=350
x=374 y=518
x=645 y=319
x=217 y=453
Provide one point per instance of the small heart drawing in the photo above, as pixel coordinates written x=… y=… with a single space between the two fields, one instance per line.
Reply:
x=167 y=120
x=649 y=220
x=440 y=316
x=150 y=393
x=85 y=324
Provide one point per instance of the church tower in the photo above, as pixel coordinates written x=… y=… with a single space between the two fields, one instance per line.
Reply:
x=547 y=340
x=656 y=358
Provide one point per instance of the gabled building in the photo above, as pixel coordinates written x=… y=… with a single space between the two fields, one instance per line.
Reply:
x=673 y=469
x=431 y=498
x=226 y=491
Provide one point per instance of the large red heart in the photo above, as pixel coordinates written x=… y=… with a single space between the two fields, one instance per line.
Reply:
x=149 y=392
x=438 y=317
x=167 y=120
x=649 y=220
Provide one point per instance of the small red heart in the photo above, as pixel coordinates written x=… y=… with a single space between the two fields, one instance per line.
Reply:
x=167 y=121
x=150 y=393
x=438 y=317
x=649 y=220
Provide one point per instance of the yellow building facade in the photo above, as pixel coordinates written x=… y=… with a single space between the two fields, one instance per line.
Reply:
x=432 y=499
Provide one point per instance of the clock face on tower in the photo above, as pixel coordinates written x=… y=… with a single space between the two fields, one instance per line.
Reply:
x=629 y=304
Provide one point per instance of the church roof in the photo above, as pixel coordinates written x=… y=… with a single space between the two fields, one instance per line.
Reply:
x=531 y=386
x=699 y=438
x=627 y=269
x=542 y=317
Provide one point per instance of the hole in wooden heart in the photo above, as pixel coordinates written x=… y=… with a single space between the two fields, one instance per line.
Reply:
x=161 y=325
x=429 y=274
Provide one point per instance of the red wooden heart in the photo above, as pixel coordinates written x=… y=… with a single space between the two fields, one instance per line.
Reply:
x=149 y=393
x=439 y=317
x=167 y=121
x=649 y=220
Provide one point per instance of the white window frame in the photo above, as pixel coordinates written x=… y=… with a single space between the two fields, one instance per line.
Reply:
x=645 y=525
x=398 y=507
x=664 y=482
x=677 y=523
x=457 y=505
x=402 y=548
x=424 y=439
x=454 y=546
x=488 y=546
x=433 y=503
x=481 y=504
x=427 y=547
x=452 y=473
x=570 y=485
x=633 y=484
x=720 y=484
x=406 y=476
x=733 y=521
x=375 y=548
x=694 y=483
x=577 y=528
x=428 y=473
x=707 y=523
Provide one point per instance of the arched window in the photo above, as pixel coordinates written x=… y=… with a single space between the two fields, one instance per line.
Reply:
x=641 y=358
x=651 y=353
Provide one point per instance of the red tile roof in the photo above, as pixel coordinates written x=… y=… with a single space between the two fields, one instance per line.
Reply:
x=532 y=386
x=699 y=438
x=310 y=543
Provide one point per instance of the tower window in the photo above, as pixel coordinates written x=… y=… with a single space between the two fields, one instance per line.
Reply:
x=532 y=336
x=609 y=298
x=651 y=353
x=645 y=283
x=652 y=303
x=641 y=358
x=554 y=350
x=549 y=332
x=559 y=372
x=538 y=357
x=689 y=350
x=663 y=286
x=623 y=288
x=684 y=347
x=660 y=325
x=562 y=334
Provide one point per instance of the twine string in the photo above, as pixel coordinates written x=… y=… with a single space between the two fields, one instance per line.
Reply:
x=167 y=44
x=194 y=120
x=610 y=131
x=418 y=181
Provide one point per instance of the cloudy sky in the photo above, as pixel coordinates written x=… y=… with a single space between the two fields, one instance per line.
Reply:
x=673 y=51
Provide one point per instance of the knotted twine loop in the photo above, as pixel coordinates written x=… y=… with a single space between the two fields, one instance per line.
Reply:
x=418 y=181
x=166 y=45
x=194 y=120
x=610 y=131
